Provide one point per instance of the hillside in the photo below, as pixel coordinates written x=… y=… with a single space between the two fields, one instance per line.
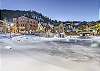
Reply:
x=9 y=14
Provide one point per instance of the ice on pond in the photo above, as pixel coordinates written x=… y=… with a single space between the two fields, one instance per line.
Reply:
x=74 y=40
x=8 y=47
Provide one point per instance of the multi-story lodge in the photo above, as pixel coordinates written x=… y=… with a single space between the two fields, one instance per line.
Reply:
x=25 y=25
x=41 y=28
x=87 y=29
x=59 y=30
x=70 y=28
x=3 y=27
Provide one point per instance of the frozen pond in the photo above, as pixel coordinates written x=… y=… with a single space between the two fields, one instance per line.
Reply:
x=33 y=53
x=27 y=40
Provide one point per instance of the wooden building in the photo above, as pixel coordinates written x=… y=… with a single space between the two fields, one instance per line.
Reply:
x=25 y=25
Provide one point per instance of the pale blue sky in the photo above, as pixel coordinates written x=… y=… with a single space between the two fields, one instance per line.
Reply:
x=58 y=9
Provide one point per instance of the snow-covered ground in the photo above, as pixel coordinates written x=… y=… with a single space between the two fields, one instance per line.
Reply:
x=33 y=53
